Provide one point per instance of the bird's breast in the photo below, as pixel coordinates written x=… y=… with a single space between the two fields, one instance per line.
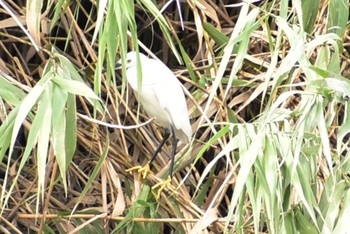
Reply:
x=153 y=108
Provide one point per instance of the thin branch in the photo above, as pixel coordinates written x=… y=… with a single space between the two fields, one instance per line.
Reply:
x=114 y=125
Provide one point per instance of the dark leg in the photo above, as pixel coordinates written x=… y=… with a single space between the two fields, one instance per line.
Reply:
x=172 y=153
x=166 y=137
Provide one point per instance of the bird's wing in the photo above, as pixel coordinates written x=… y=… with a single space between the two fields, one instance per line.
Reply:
x=171 y=97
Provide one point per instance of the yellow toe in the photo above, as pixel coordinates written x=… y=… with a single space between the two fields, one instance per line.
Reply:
x=161 y=186
x=142 y=171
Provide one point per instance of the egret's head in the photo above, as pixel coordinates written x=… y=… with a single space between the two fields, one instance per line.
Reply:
x=131 y=60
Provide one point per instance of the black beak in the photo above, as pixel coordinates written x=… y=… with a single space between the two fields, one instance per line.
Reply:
x=118 y=66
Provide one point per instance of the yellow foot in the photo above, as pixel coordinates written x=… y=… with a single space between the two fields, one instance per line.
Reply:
x=143 y=171
x=161 y=186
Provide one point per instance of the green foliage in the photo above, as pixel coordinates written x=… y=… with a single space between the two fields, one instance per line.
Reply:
x=49 y=97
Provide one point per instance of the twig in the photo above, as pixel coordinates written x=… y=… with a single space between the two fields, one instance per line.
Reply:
x=119 y=218
x=114 y=125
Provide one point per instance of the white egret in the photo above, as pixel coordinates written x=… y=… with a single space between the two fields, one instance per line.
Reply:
x=162 y=97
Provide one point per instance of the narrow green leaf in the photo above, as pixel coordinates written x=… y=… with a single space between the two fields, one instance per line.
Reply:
x=163 y=26
x=59 y=99
x=27 y=104
x=304 y=225
x=217 y=36
x=342 y=224
x=310 y=10
x=10 y=93
x=33 y=17
x=93 y=174
x=58 y=10
x=43 y=122
x=75 y=87
x=23 y=111
x=338 y=15
x=71 y=128
x=246 y=162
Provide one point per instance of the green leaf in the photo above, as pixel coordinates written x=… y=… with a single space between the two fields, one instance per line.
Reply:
x=338 y=15
x=41 y=128
x=342 y=224
x=304 y=225
x=75 y=87
x=94 y=173
x=310 y=11
x=10 y=93
x=59 y=99
x=220 y=38
x=71 y=128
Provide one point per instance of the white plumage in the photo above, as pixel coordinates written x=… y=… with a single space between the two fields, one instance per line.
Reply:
x=161 y=94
